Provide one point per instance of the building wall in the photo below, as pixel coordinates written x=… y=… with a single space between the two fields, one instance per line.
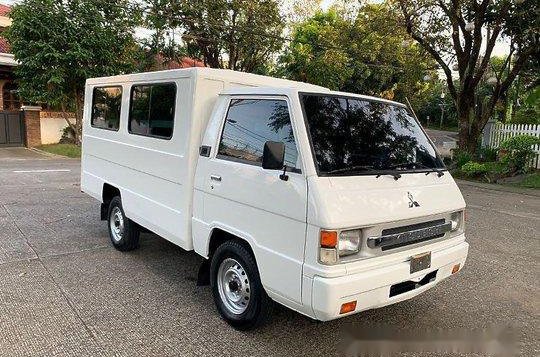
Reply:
x=52 y=125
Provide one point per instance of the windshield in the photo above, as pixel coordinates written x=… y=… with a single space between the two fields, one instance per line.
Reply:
x=357 y=136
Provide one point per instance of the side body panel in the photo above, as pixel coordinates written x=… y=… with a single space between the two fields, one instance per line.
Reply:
x=256 y=205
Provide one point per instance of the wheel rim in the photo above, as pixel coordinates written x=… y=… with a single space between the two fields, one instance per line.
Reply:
x=116 y=221
x=233 y=286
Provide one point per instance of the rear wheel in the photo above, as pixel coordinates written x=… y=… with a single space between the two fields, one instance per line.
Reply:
x=124 y=233
x=238 y=293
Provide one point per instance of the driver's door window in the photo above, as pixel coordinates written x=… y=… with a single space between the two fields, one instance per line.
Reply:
x=252 y=122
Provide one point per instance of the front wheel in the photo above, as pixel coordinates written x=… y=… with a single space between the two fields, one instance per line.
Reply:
x=124 y=233
x=236 y=286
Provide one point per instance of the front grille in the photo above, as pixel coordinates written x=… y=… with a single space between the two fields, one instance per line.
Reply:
x=409 y=285
x=412 y=227
x=396 y=237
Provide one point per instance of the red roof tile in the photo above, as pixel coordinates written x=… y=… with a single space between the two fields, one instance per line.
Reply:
x=4 y=46
x=4 y=10
x=184 y=62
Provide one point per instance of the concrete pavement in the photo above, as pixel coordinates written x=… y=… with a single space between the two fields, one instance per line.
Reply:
x=65 y=291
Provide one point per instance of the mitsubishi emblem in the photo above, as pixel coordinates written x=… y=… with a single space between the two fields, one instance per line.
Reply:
x=412 y=202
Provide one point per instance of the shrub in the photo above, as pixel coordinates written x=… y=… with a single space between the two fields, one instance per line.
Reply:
x=68 y=136
x=487 y=154
x=474 y=169
x=461 y=157
x=520 y=151
x=488 y=171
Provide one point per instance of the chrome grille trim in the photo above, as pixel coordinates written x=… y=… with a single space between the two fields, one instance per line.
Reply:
x=408 y=237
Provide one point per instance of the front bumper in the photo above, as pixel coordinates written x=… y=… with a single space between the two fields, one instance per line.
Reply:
x=371 y=289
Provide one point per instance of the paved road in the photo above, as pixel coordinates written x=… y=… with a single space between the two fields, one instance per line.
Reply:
x=443 y=140
x=64 y=291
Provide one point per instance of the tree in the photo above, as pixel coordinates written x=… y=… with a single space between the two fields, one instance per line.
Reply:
x=366 y=54
x=59 y=44
x=463 y=34
x=240 y=35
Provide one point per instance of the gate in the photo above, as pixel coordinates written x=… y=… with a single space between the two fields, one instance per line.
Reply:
x=11 y=128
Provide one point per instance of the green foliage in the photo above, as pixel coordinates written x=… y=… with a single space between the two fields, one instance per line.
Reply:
x=520 y=151
x=315 y=55
x=69 y=150
x=368 y=54
x=454 y=33
x=529 y=112
x=487 y=154
x=488 y=171
x=59 y=44
x=235 y=34
x=461 y=157
x=473 y=169
x=531 y=181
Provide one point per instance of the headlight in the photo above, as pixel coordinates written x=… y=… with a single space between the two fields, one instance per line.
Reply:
x=334 y=244
x=349 y=242
x=457 y=220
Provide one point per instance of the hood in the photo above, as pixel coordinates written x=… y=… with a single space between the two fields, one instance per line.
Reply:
x=355 y=201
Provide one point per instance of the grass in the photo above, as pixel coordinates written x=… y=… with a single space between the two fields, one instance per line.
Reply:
x=530 y=181
x=69 y=150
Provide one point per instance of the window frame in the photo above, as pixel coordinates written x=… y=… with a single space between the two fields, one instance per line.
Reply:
x=132 y=89
x=94 y=103
x=248 y=162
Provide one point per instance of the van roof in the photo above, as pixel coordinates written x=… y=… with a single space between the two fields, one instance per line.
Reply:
x=241 y=82
x=241 y=78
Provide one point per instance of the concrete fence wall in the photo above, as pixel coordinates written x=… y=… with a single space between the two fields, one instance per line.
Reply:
x=52 y=125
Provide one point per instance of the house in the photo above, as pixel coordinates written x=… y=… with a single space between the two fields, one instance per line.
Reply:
x=9 y=99
x=31 y=126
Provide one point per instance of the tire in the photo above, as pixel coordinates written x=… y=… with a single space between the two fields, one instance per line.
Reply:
x=242 y=302
x=124 y=233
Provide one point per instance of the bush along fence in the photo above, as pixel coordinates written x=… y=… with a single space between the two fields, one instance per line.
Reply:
x=495 y=133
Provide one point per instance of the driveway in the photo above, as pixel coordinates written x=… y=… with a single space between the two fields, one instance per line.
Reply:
x=65 y=291
x=445 y=141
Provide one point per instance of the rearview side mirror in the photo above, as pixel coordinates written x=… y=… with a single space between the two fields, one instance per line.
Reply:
x=273 y=155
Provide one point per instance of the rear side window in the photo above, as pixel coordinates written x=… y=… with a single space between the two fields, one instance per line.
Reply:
x=252 y=122
x=151 y=111
x=106 y=104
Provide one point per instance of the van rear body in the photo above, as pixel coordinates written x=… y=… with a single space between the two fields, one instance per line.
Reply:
x=331 y=203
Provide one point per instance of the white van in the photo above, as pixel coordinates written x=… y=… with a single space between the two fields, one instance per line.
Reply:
x=328 y=203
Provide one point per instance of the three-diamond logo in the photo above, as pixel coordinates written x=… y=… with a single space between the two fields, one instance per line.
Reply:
x=412 y=202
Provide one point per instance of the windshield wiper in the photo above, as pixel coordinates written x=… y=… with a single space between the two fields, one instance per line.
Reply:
x=352 y=169
x=420 y=165
x=368 y=168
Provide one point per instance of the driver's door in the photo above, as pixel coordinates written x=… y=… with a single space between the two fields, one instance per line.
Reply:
x=256 y=202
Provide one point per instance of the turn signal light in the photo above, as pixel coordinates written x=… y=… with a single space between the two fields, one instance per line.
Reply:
x=348 y=307
x=455 y=269
x=329 y=239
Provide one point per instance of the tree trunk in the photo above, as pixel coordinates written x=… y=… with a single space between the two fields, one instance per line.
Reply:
x=69 y=123
x=468 y=123
x=79 y=107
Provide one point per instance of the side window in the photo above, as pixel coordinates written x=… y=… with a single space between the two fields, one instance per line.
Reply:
x=106 y=104
x=252 y=122
x=151 y=111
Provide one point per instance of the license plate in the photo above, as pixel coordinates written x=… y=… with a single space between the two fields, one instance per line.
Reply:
x=420 y=262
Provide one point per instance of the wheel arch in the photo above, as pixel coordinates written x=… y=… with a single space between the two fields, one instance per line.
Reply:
x=219 y=235
x=108 y=192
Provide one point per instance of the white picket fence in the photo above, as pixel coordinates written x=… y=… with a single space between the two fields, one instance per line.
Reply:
x=499 y=132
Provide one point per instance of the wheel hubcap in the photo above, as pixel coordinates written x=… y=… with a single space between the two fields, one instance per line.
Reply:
x=116 y=221
x=233 y=286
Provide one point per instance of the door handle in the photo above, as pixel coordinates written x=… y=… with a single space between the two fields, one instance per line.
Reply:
x=215 y=178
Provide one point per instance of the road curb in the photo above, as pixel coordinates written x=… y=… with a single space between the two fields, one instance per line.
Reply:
x=501 y=188
x=51 y=155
